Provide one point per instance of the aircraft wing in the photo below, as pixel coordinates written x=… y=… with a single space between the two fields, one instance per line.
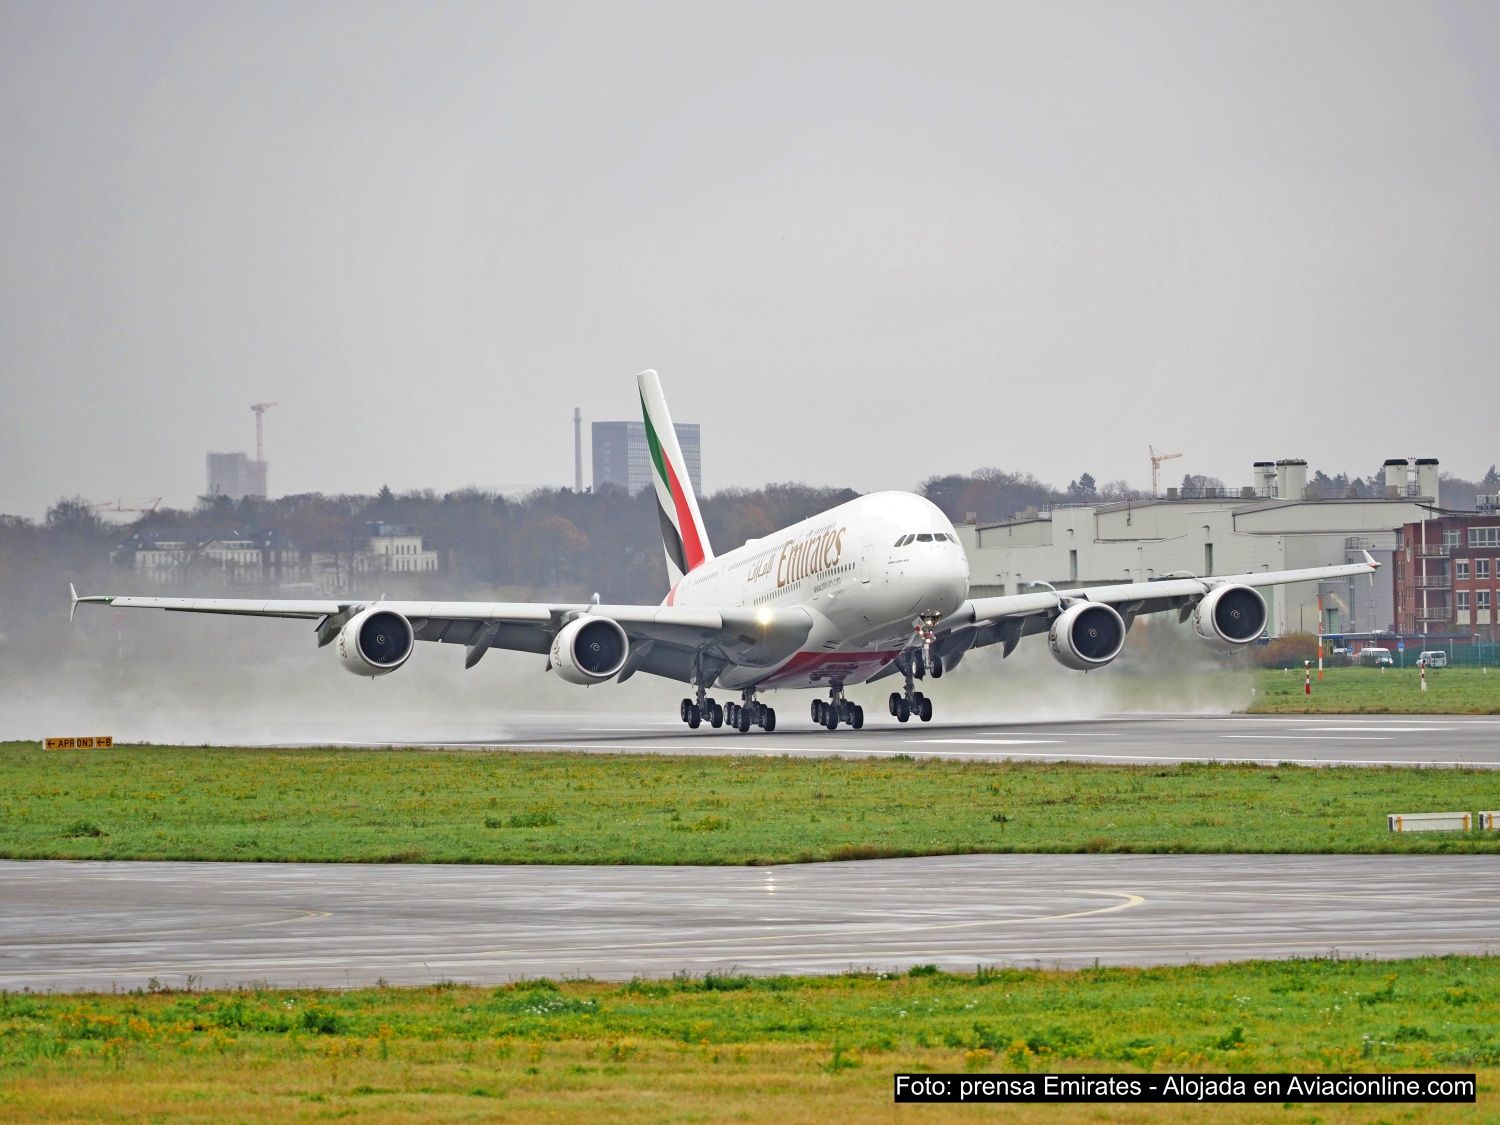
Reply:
x=1006 y=619
x=671 y=641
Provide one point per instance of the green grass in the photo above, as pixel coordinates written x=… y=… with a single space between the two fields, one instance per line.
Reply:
x=1369 y=691
x=727 y=1046
x=136 y=802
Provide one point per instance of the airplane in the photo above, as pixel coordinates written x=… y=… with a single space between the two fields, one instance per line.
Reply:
x=873 y=588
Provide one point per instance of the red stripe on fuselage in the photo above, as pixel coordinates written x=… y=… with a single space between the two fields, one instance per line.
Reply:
x=692 y=546
x=821 y=667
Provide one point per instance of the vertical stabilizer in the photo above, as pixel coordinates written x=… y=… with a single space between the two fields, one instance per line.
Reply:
x=683 y=536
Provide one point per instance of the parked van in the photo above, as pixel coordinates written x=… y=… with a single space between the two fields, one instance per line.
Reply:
x=1433 y=658
x=1375 y=656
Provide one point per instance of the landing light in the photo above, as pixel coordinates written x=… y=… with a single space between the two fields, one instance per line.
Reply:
x=764 y=616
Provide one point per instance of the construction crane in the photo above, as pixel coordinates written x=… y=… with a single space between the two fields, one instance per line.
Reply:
x=1156 y=459
x=260 y=409
x=127 y=505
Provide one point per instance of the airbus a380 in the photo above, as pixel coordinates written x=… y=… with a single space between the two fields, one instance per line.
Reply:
x=873 y=588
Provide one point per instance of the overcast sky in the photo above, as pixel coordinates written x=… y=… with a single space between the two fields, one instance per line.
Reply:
x=863 y=243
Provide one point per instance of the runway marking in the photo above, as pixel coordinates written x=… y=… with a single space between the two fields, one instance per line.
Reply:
x=1368 y=729
x=992 y=741
x=1131 y=901
x=1326 y=738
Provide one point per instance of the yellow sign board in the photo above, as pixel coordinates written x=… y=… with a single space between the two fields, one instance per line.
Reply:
x=96 y=742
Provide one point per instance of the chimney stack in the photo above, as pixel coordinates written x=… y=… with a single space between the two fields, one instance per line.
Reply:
x=577 y=449
x=1291 y=479
x=1395 y=477
x=1427 y=478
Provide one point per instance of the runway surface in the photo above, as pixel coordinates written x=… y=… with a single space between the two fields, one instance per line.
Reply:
x=1321 y=740
x=69 y=926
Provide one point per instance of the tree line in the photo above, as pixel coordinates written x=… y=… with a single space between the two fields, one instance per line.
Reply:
x=552 y=542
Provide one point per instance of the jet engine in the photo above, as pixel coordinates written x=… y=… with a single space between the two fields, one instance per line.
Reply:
x=1230 y=616
x=376 y=641
x=589 y=650
x=1087 y=635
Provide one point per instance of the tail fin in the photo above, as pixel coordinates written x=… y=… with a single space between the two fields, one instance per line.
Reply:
x=682 y=532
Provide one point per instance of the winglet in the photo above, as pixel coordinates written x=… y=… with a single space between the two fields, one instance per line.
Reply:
x=1369 y=558
x=73 y=604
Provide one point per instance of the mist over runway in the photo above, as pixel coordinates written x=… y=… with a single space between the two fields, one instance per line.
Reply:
x=1314 y=740
x=73 y=926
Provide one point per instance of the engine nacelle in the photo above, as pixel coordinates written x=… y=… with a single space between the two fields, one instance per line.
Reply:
x=1087 y=635
x=376 y=641
x=1230 y=616
x=589 y=650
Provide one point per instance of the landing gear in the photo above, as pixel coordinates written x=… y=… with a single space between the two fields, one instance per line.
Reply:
x=751 y=713
x=836 y=709
x=694 y=712
x=904 y=704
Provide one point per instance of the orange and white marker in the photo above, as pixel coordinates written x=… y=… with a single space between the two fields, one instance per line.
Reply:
x=1307 y=681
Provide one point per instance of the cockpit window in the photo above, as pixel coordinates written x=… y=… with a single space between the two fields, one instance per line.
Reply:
x=925 y=537
x=899 y=541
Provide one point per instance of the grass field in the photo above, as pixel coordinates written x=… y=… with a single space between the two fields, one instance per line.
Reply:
x=737 y=1047
x=1369 y=691
x=137 y=802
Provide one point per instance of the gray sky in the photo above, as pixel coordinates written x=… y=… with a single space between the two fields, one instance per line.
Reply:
x=863 y=243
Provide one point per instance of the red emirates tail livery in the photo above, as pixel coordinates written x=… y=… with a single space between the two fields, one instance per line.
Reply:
x=873 y=588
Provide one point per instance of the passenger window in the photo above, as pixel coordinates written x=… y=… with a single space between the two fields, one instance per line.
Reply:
x=924 y=538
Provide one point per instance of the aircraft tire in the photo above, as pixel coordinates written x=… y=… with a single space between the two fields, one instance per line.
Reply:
x=857 y=719
x=937 y=667
x=894 y=702
x=817 y=711
x=716 y=716
x=682 y=710
x=903 y=711
x=926 y=710
x=768 y=720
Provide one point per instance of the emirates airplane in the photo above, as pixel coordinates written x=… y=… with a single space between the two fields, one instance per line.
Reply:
x=873 y=588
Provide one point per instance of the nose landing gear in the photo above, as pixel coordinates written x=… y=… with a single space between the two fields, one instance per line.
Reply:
x=904 y=704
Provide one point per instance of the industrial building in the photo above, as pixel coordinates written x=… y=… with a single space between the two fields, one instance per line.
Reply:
x=1274 y=523
x=622 y=456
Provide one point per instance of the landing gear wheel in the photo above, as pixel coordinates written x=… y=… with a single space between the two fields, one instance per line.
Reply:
x=926 y=711
x=682 y=711
x=918 y=665
x=903 y=711
x=768 y=722
x=715 y=716
x=937 y=667
x=817 y=711
x=894 y=702
x=857 y=719
x=830 y=718
x=694 y=716
x=742 y=719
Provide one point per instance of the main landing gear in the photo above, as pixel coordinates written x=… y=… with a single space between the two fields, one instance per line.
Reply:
x=836 y=709
x=695 y=712
x=750 y=712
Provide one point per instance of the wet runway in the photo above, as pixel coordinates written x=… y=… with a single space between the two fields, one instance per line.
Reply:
x=1365 y=740
x=85 y=926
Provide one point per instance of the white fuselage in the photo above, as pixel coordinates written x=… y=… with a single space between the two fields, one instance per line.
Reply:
x=843 y=566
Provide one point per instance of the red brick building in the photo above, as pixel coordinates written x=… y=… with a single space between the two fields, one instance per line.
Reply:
x=1446 y=574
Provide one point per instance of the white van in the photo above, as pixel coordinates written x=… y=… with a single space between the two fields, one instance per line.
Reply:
x=1433 y=658
x=1375 y=656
